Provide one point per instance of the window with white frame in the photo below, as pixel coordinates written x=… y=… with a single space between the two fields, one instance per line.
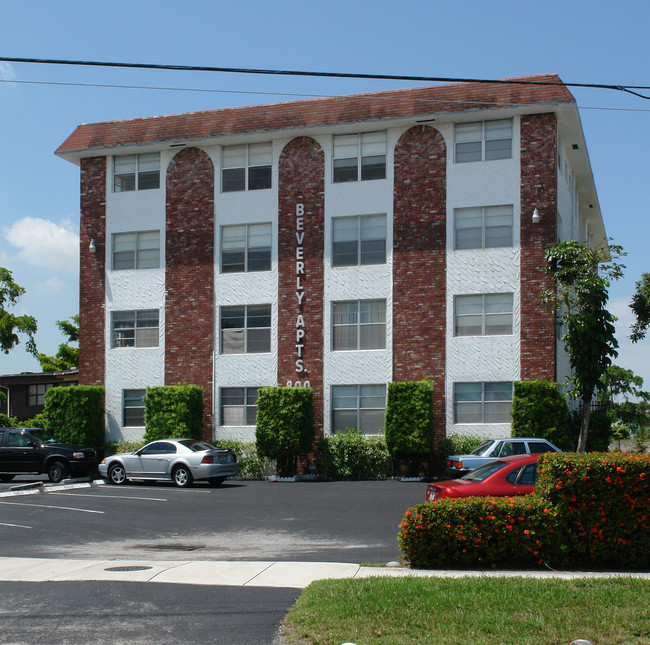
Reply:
x=136 y=172
x=488 y=402
x=483 y=227
x=483 y=140
x=486 y=314
x=238 y=406
x=136 y=250
x=359 y=157
x=359 y=406
x=133 y=408
x=358 y=240
x=36 y=393
x=246 y=167
x=246 y=329
x=137 y=328
x=358 y=324
x=246 y=248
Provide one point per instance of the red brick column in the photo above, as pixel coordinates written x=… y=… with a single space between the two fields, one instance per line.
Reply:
x=301 y=235
x=92 y=271
x=189 y=275
x=538 y=190
x=419 y=262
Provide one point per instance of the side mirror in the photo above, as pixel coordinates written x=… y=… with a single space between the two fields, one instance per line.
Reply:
x=32 y=444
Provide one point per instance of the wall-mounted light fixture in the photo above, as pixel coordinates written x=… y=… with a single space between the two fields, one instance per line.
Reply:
x=536 y=216
x=92 y=248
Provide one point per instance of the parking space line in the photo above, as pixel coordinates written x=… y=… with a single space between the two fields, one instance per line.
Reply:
x=147 y=499
x=17 y=526
x=62 y=508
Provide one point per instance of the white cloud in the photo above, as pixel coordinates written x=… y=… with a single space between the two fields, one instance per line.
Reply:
x=44 y=243
x=7 y=72
x=52 y=286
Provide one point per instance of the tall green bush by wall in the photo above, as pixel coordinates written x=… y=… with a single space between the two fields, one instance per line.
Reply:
x=173 y=411
x=539 y=409
x=351 y=455
x=409 y=420
x=285 y=425
x=75 y=414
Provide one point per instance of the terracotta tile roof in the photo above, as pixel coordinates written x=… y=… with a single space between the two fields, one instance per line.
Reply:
x=354 y=108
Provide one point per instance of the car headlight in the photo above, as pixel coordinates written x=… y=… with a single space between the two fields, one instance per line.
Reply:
x=77 y=455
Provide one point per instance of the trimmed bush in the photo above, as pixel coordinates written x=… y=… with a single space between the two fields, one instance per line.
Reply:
x=251 y=465
x=351 y=455
x=455 y=444
x=38 y=421
x=285 y=425
x=7 y=422
x=173 y=412
x=603 y=505
x=75 y=414
x=539 y=409
x=409 y=420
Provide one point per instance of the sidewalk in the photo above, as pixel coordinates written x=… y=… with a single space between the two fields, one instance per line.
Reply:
x=239 y=573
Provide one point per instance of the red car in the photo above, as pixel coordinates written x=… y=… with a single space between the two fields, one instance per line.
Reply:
x=503 y=477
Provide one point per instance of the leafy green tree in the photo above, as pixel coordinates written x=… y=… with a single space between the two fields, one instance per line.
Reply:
x=582 y=278
x=640 y=305
x=10 y=324
x=67 y=356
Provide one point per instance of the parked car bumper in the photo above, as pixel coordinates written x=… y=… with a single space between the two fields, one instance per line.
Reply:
x=208 y=471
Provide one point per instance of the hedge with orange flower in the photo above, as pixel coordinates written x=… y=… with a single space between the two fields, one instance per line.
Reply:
x=588 y=510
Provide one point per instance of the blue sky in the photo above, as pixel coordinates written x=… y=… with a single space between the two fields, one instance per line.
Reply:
x=593 y=41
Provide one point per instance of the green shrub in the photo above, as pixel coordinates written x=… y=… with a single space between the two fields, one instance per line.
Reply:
x=409 y=421
x=38 y=421
x=455 y=444
x=539 y=409
x=116 y=447
x=285 y=425
x=600 y=431
x=75 y=414
x=351 y=455
x=251 y=465
x=603 y=505
x=173 y=412
x=7 y=422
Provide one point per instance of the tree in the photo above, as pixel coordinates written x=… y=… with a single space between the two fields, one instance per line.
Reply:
x=66 y=357
x=10 y=324
x=582 y=277
x=640 y=305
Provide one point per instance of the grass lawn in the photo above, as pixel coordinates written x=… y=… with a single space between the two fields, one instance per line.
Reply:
x=480 y=611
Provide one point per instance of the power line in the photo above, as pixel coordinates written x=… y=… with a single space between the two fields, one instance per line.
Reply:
x=244 y=70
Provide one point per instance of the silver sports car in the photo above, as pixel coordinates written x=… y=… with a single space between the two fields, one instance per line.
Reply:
x=179 y=460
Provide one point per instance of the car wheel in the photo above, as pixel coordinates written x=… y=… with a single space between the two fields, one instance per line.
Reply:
x=182 y=476
x=116 y=474
x=57 y=471
x=6 y=478
x=216 y=481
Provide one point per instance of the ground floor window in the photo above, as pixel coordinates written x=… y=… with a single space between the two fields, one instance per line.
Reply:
x=358 y=406
x=489 y=402
x=133 y=408
x=36 y=393
x=238 y=406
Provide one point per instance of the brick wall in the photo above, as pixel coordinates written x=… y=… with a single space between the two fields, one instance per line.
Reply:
x=419 y=262
x=301 y=181
x=538 y=190
x=92 y=273
x=189 y=275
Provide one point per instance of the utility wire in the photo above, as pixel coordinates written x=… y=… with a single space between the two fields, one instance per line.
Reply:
x=243 y=70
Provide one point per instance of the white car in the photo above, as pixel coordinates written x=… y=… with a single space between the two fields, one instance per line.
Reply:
x=181 y=461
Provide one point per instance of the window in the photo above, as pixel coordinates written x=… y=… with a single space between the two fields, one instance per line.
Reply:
x=238 y=406
x=246 y=329
x=135 y=328
x=137 y=250
x=359 y=324
x=483 y=140
x=159 y=448
x=483 y=227
x=488 y=314
x=358 y=240
x=489 y=402
x=367 y=151
x=36 y=393
x=246 y=167
x=133 y=408
x=246 y=247
x=358 y=406
x=136 y=172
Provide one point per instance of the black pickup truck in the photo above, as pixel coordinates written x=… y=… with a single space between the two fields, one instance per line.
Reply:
x=35 y=451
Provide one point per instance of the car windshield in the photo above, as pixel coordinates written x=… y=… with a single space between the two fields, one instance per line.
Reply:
x=482 y=448
x=42 y=436
x=196 y=446
x=483 y=472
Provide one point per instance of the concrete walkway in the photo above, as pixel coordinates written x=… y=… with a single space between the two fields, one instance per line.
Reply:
x=239 y=573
